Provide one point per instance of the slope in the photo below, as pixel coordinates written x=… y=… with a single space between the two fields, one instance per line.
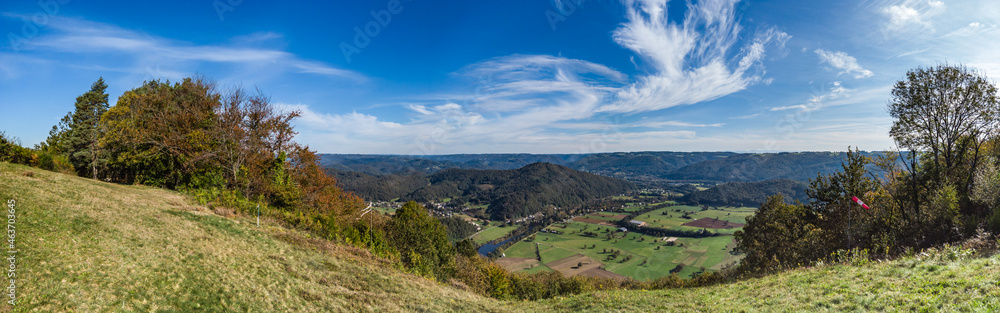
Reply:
x=948 y=280
x=85 y=245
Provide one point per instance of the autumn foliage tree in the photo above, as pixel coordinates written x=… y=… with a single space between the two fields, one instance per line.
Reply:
x=251 y=133
x=235 y=145
x=160 y=134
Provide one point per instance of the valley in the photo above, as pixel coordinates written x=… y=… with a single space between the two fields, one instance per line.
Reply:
x=681 y=227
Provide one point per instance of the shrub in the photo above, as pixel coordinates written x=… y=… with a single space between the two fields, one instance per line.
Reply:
x=12 y=152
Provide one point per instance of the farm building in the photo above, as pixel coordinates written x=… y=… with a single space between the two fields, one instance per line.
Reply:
x=638 y=223
x=623 y=229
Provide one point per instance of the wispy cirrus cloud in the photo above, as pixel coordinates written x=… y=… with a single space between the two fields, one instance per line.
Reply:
x=516 y=99
x=69 y=35
x=817 y=102
x=541 y=102
x=843 y=62
x=693 y=61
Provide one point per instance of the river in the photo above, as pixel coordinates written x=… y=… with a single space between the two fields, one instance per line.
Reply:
x=489 y=247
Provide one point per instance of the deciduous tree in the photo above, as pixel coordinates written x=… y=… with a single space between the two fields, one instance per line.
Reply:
x=949 y=112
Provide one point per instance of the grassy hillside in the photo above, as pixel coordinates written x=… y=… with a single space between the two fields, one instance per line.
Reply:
x=940 y=282
x=91 y=246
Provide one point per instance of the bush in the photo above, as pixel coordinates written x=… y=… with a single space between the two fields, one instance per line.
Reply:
x=55 y=162
x=12 y=152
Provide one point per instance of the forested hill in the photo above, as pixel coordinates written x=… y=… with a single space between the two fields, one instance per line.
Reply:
x=799 y=166
x=375 y=164
x=644 y=168
x=509 y=193
x=748 y=193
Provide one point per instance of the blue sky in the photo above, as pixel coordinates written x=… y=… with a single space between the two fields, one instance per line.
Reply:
x=571 y=76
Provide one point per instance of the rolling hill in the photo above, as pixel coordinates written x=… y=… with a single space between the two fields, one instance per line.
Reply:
x=645 y=168
x=509 y=193
x=750 y=194
x=85 y=245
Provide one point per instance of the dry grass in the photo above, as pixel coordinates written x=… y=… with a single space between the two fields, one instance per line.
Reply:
x=92 y=246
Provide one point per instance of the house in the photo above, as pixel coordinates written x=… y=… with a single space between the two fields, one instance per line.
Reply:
x=638 y=223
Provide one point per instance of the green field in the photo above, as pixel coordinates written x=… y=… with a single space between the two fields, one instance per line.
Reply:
x=385 y=210
x=640 y=204
x=938 y=282
x=693 y=252
x=493 y=231
x=673 y=219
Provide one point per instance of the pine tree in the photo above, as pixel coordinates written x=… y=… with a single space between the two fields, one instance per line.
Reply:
x=85 y=131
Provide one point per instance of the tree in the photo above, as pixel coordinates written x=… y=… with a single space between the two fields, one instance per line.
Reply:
x=422 y=241
x=466 y=248
x=846 y=224
x=162 y=135
x=949 y=112
x=779 y=235
x=82 y=141
x=251 y=133
x=58 y=140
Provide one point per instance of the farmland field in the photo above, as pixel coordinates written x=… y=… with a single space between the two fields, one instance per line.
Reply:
x=493 y=231
x=646 y=262
x=671 y=217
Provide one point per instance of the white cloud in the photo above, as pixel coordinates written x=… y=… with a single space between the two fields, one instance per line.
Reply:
x=900 y=16
x=541 y=103
x=843 y=62
x=419 y=109
x=640 y=124
x=817 y=102
x=911 y=15
x=516 y=100
x=748 y=116
x=974 y=29
x=86 y=37
x=689 y=62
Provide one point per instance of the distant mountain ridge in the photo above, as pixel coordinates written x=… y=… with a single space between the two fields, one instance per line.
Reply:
x=750 y=194
x=509 y=193
x=639 y=167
